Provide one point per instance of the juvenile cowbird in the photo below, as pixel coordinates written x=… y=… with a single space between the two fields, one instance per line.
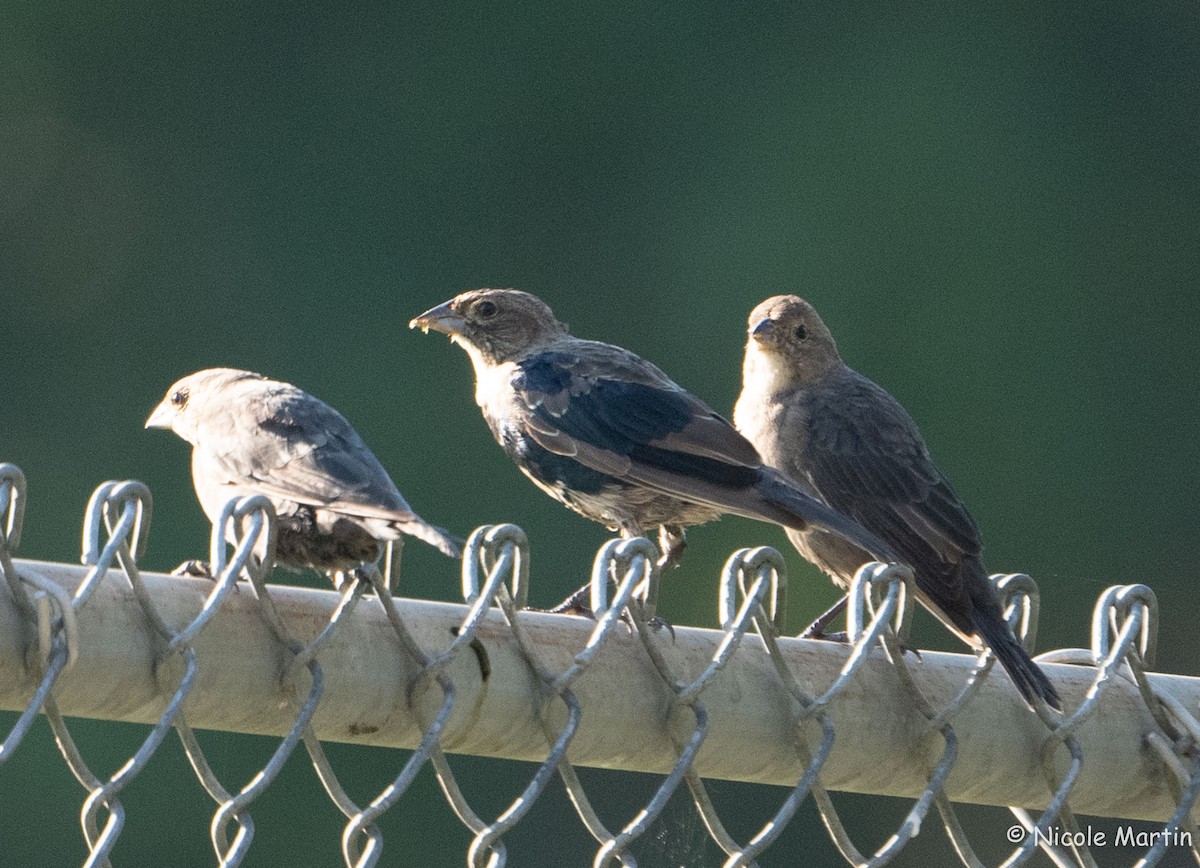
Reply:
x=250 y=435
x=821 y=422
x=610 y=436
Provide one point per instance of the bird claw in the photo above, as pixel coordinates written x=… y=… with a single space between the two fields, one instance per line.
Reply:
x=576 y=604
x=816 y=630
x=658 y=622
x=342 y=579
x=194 y=569
x=844 y=637
x=671 y=543
x=821 y=636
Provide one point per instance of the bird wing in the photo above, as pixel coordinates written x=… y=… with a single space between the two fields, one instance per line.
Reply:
x=865 y=457
x=288 y=445
x=617 y=413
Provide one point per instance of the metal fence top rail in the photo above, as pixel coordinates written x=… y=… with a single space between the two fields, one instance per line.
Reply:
x=743 y=702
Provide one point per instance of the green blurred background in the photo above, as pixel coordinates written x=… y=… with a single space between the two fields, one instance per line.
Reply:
x=994 y=209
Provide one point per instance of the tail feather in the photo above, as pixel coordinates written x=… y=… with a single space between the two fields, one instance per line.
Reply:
x=800 y=510
x=442 y=540
x=1025 y=674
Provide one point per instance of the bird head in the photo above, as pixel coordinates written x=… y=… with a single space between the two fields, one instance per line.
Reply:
x=788 y=338
x=182 y=408
x=493 y=325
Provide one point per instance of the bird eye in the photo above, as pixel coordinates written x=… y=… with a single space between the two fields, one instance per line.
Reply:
x=486 y=309
x=801 y=332
x=179 y=397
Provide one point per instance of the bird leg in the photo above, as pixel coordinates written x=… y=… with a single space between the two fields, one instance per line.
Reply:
x=198 y=570
x=575 y=604
x=391 y=563
x=816 y=630
x=671 y=544
x=343 y=578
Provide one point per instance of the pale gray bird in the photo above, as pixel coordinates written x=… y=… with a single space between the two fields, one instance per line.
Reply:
x=250 y=435
x=609 y=435
x=823 y=423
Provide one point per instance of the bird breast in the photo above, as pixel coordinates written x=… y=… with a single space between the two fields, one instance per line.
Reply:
x=765 y=373
x=493 y=386
x=755 y=409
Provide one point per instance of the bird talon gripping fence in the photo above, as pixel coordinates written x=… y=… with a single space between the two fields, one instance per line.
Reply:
x=485 y=677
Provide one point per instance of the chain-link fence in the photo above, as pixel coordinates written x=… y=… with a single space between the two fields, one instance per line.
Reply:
x=625 y=691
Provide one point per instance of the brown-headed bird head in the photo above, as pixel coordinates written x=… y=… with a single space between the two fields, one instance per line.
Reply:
x=788 y=343
x=493 y=325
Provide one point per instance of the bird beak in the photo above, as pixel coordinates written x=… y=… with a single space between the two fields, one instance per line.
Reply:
x=161 y=417
x=763 y=330
x=441 y=319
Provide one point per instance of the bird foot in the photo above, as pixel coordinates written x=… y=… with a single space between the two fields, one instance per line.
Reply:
x=198 y=570
x=821 y=636
x=341 y=579
x=816 y=630
x=844 y=637
x=658 y=622
x=195 y=570
x=671 y=543
x=576 y=604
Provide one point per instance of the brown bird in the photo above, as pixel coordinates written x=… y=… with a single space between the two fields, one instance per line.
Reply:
x=824 y=424
x=250 y=435
x=613 y=438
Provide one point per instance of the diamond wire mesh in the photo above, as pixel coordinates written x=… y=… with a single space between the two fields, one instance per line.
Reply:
x=495 y=576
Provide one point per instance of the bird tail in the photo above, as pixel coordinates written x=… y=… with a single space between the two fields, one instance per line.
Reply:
x=800 y=510
x=1025 y=674
x=442 y=540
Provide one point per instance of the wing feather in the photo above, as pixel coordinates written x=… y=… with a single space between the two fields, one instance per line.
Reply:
x=292 y=446
x=865 y=457
x=616 y=413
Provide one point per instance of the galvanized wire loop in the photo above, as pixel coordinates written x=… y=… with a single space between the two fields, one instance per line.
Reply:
x=54 y=667
x=231 y=852
x=1020 y=600
x=250 y=524
x=808 y=710
x=614 y=849
x=879 y=593
x=12 y=506
x=502 y=551
x=1123 y=629
x=638 y=557
x=361 y=826
x=57 y=625
x=615 y=560
x=767 y=566
x=1126 y=610
x=123 y=510
x=487 y=550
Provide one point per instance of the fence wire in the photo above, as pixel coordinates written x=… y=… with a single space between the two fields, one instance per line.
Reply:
x=495 y=576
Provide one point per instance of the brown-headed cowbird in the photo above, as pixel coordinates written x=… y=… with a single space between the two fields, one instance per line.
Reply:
x=609 y=435
x=823 y=423
x=250 y=435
